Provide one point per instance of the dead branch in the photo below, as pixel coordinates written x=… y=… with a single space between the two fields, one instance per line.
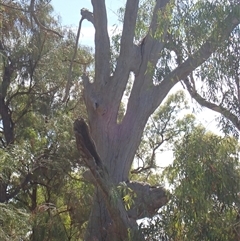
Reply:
x=32 y=12
x=86 y=14
x=217 y=108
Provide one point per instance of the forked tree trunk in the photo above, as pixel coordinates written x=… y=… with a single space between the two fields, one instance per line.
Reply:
x=116 y=143
x=114 y=146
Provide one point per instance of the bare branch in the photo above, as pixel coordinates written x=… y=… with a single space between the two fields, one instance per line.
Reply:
x=7 y=122
x=31 y=9
x=147 y=201
x=102 y=43
x=69 y=79
x=130 y=54
x=86 y=14
x=150 y=48
x=217 y=108
x=145 y=97
x=219 y=34
x=15 y=8
x=124 y=62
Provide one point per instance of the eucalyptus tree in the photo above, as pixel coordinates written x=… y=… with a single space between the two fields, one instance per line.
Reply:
x=205 y=180
x=37 y=146
x=177 y=41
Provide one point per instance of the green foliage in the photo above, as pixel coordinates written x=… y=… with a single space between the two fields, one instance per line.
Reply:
x=14 y=223
x=164 y=19
x=164 y=127
x=143 y=19
x=39 y=171
x=47 y=224
x=205 y=182
x=193 y=21
x=224 y=67
x=127 y=195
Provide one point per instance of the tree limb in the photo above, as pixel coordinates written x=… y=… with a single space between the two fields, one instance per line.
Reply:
x=31 y=9
x=219 y=34
x=147 y=201
x=217 y=108
x=102 y=43
x=151 y=46
x=85 y=15
x=129 y=24
x=7 y=122
x=146 y=97
x=129 y=57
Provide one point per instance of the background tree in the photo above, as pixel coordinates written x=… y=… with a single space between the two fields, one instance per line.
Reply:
x=163 y=128
x=205 y=180
x=39 y=161
x=204 y=183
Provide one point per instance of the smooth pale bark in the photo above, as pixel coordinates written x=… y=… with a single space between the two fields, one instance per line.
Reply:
x=116 y=143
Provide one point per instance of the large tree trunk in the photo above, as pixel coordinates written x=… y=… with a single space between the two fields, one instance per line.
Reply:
x=116 y=143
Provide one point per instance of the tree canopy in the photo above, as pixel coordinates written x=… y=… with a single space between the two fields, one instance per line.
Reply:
x=38 y=156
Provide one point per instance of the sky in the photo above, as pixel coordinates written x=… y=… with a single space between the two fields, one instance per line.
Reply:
x=69 y=10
